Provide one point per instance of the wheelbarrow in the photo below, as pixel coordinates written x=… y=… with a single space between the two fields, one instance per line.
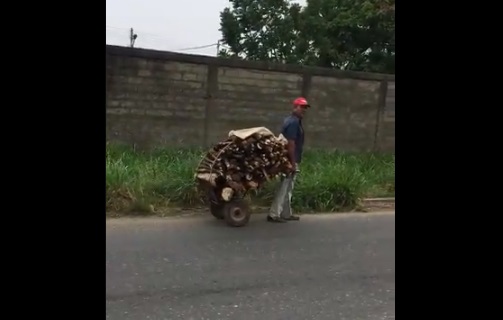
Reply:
x=227 y=198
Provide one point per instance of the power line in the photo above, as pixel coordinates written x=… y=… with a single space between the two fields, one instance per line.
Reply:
x=199 y=47
x=142 y=33
x=143 y=39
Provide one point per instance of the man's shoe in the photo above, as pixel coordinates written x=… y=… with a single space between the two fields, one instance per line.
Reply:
x=292 y=218
x=277 y=220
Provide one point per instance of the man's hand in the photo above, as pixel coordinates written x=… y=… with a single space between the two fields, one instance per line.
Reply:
x=295 y=168
x=291 y=168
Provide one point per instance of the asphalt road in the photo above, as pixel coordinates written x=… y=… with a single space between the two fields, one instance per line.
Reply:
x=324 y=267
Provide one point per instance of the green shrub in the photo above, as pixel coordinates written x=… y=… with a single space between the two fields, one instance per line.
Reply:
x=329 y=180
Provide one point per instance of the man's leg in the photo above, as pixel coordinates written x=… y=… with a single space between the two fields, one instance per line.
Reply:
x=287 y=212
x=277 y=206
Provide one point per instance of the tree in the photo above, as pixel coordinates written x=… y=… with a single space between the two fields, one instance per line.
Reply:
x=343 y=34
x=351 y=34
x=260 y=30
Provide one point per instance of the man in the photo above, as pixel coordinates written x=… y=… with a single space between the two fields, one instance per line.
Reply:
x=281 y=209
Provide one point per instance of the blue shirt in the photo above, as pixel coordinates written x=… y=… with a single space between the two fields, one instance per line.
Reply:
x=292 y=130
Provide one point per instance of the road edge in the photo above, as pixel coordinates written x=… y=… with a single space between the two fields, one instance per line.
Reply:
x=366 y=205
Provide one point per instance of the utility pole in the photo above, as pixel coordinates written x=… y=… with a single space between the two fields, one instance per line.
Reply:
x=219 y=43
x=132 y=38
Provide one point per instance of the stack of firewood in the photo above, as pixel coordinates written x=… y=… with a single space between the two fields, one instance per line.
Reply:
x=244 y=164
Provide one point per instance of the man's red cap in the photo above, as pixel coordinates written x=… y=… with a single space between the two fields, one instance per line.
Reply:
x=301 y=101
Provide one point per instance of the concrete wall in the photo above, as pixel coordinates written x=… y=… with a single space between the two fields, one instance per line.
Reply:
x=159 y=98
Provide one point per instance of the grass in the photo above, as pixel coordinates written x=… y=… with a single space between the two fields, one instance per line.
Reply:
x=140 y=182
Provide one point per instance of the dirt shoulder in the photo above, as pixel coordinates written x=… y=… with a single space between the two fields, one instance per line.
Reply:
x=378 y=204
x=367 y=205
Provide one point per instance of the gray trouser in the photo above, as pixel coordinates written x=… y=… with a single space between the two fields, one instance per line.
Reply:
x=282 y=203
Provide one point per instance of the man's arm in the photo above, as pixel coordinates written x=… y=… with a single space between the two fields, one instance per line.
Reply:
x=290 y=134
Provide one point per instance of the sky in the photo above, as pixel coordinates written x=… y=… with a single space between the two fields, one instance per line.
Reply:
x=168 y=25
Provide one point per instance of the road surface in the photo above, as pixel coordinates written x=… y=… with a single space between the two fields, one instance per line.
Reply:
x=334 y=266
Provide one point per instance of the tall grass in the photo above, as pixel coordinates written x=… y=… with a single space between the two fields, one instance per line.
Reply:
x=329 y=180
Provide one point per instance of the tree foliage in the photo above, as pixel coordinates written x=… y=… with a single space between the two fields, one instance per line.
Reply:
x=343 y=34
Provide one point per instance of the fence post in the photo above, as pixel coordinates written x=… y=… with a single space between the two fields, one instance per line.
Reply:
x=383 y=90
x=306 y=85
x=211 y=91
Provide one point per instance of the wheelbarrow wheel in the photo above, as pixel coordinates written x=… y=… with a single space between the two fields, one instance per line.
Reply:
x=236 y=213
x=217 y=210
